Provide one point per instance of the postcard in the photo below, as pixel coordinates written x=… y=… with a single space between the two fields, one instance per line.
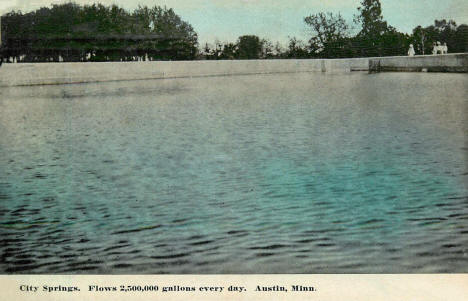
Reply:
x=233 y=150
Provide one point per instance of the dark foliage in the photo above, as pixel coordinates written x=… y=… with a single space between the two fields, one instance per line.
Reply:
x=329 y=33
x=330 y=37
x=97 y=33
x=442 y=31
x=246 y=47
x=71 y=32
x=249 y=47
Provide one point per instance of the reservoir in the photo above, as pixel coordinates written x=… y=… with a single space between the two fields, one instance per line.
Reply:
x=272 y=173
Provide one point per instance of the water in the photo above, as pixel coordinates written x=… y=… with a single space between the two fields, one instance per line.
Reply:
x=304 y=173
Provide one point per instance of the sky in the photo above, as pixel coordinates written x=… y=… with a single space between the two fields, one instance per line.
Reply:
x=276 y=20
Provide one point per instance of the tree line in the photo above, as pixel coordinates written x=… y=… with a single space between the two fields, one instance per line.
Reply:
x=71 y=32
x=330 y=37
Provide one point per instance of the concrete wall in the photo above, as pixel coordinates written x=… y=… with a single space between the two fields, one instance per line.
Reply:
x=66 y=73
x=63 y=73
x=457 y=62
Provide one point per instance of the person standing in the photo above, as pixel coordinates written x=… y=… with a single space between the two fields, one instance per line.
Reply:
x=444 y=48
x=411 y=50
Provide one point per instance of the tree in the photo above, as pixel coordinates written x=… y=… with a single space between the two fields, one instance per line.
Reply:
x=446 y=32
x=420 y=39
x=178 y=39
x=98 y=33
x=394 y=43
x=229 y=51
x=206 y=52
x=371 y=19
x=461 y=39
x=267 y=49
x=441 y=31
x=218 y=49
x=278 y=51
x=249 y=47
x=296 y=49
x=373 y=27
x=326 y=29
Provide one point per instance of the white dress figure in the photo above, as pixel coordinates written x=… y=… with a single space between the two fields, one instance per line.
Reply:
x=444 y=48
x=411 y=50
x=438 y=48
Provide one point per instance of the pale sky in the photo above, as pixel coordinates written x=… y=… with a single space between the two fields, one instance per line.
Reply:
x=276 y=20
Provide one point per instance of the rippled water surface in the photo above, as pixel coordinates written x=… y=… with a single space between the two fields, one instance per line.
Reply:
x=305 y=173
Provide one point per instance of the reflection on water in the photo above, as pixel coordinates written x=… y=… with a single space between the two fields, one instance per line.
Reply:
x=307 y=173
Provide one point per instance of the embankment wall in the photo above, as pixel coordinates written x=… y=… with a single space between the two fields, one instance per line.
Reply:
x=457 y=62
x=67 y=73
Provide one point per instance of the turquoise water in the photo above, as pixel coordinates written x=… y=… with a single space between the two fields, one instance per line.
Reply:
x=303 y=173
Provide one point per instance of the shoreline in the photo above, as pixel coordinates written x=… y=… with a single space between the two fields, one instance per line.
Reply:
x=35 y=74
